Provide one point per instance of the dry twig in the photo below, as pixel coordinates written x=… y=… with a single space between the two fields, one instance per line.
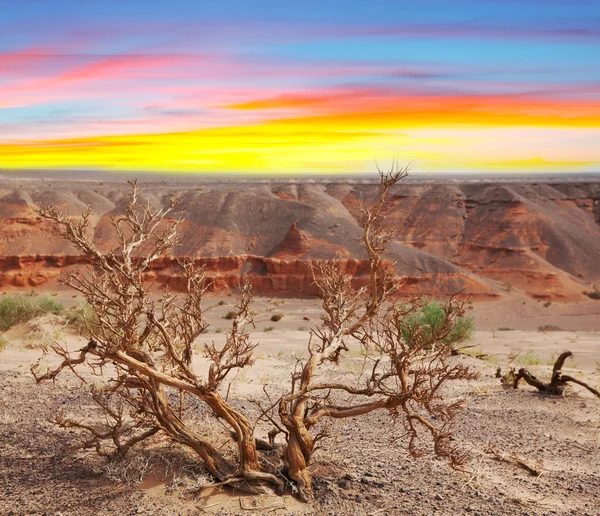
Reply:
x=512 y=459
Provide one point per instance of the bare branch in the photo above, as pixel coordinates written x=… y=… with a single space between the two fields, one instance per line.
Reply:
x=558 y=381
x=149 y=345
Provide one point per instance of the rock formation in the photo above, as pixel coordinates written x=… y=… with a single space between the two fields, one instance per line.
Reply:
x=295 y=243
x=482 y=237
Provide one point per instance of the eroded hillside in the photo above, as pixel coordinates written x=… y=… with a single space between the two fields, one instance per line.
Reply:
x=487 y=238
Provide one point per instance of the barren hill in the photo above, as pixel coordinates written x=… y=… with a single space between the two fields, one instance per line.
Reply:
x=487 y=238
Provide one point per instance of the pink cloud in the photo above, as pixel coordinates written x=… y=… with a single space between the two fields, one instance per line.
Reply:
x=118 y=76
x=162 y=77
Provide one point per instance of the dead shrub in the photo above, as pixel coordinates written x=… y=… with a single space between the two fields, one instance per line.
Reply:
x=153 y=388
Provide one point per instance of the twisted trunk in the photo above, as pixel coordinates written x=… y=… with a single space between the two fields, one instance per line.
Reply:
x=246 y=474
x=213 y=459
x=242 y=428
x=300 y=443
x=297 y=457
x=249 y=465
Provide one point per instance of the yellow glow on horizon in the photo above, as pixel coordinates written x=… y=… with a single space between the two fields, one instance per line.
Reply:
x=318 y=145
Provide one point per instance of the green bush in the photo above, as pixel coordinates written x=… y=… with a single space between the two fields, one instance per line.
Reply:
x=268 y=328
x=530 y=358
x=594 y=294
x=20 y=308
x=3 y=342
x=230 y=315
x=431 y=318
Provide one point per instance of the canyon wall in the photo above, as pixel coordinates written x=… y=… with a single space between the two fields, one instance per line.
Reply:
x=485 y=239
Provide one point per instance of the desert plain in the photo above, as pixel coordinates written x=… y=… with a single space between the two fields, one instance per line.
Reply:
x=524 y=255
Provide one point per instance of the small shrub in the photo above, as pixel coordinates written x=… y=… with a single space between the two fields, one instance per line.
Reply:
x=81 y=316
x=530 y=357
x=3 y=342
x=222 y=302
x=549 y=327
x=547 y=303
x=491 y=359
x=230 y=315
x=20 y=308
x=268 y=328
x=276 y=317
x=302 y=328
x=594 y=294
x=431 y=317
x=306 y=318
x=505 y=328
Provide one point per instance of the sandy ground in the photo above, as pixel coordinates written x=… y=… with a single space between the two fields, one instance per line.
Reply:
x=364 y=469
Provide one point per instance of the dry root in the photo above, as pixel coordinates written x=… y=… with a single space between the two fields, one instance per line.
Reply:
x=557 y=383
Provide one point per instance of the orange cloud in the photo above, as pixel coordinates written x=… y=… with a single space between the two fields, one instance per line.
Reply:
x=385 y=109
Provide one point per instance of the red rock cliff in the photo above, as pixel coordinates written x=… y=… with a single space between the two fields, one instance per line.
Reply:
x=485 y=238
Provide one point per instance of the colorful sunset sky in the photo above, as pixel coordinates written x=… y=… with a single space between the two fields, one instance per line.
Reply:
x=306 y=87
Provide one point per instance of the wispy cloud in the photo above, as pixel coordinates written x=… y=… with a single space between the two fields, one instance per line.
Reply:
x=232 y=91
x=588 y=30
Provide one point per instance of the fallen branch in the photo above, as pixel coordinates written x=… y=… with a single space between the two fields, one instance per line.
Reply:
x=512 y=459
x=558 y=382
x=566 y=378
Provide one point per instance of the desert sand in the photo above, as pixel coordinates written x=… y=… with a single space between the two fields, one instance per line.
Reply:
x=365 y=470
x=525 y=253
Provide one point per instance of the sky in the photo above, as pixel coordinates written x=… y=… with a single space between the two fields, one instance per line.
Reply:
x=294 y=88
